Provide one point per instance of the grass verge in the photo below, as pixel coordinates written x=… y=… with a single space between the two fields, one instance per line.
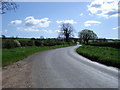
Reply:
x=10 y=56
x=105 y=55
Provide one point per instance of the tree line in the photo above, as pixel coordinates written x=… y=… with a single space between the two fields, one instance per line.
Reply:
x=85 y=35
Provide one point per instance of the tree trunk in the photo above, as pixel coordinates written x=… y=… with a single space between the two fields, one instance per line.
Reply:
x=67 y=38
x=87 y=41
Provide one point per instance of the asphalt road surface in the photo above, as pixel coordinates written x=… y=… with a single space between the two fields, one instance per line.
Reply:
x=64 y=68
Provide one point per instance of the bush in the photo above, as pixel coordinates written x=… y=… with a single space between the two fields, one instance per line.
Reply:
x=107 y=44
x=49 y=43
x=21 y=42
x=53 y=43
x=38 y=43
x=8 y=44
x=26 y=43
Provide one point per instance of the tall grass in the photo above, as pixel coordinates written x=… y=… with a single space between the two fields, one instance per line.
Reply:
x=105 y=55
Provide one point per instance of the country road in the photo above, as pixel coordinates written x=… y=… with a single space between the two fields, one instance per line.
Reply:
x=64 y=68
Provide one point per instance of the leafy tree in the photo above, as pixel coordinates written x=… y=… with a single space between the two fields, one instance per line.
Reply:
x=3 y=36
x=6 y=5
x=66 y=31
x=86 y=35
x=41 y=37
x=32 y=38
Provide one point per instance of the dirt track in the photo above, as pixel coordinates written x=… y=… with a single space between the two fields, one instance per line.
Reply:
x=18 y=75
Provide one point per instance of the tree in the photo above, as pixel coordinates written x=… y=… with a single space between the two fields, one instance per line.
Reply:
x=6 y=5
x=41 y=37
x=66 y=31
x=86 y=35
x=32 y=38
x=3 y=36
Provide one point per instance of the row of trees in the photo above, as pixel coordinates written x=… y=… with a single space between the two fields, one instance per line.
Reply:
x=84 y=35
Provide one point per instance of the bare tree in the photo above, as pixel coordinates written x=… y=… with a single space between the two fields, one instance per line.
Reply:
x=66 y=31
x=86 y=35
x=6 y=5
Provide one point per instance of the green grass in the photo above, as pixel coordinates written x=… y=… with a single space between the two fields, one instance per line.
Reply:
x=10 y=56
x=105 y=55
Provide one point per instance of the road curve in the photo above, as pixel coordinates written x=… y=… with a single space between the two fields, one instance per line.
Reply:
x=64 y=68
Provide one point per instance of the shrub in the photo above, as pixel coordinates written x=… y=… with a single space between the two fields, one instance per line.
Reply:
x=8 y=44
x=107 y=44
x=38 y=43
x=26 y=43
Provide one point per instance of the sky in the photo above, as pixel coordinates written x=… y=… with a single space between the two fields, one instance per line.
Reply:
x=35 y=19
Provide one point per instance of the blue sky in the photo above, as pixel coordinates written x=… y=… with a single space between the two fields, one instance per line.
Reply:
x=44 y=19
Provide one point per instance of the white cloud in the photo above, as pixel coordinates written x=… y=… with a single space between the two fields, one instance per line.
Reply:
x=59 y=26
x=33 y=29
x=28 y=29
x=95 y=22
x=81 y=14
x=52 y=31
x=117 y=27
x=32 y=22
x=89 y=23
x=57 y=31
x=67 y=21
x=105 y=8
x=16 y=22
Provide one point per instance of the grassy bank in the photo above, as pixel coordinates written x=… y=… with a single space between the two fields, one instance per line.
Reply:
x=105 y=55
x=10 y=56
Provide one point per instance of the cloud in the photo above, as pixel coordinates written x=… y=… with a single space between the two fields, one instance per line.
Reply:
x=16 y=22
x=52 y=31
x=59 y=26
x=89 y=23
x=32 y=22
x=117 y=27
x=81 y=14
x=28 y=29
x=105 y=8
x=33 y=29
x=95 y=22
x=57 y=31
x=67 y=21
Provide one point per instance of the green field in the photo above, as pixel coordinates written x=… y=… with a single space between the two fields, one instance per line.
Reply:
x=10 y=56
x=105 y=55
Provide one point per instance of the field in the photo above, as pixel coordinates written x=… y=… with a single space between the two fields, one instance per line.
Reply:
x=102 y=54
x=10 y=56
